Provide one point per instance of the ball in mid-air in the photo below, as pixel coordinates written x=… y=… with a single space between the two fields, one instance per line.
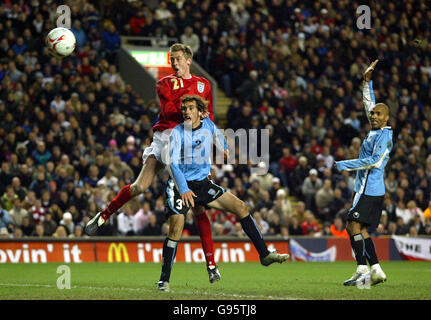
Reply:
x=60 y=42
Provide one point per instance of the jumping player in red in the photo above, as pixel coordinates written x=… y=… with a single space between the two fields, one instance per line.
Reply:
x=169 y=90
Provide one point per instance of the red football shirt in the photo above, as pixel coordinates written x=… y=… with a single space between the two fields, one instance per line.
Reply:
x=170 y=89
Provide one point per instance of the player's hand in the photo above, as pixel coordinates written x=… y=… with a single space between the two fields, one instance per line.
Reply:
x=205 y=114
x=369 y=71
x=188 y=198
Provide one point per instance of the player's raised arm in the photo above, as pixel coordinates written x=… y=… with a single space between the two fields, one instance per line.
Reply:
x=367 y=90
x=381 y=151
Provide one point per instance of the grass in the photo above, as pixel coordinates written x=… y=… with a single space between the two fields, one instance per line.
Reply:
x=243 y=281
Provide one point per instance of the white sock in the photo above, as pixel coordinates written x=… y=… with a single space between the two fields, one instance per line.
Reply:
x=376 y=267
x=362 y=268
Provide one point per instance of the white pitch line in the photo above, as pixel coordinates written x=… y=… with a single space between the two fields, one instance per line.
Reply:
x=205 y=293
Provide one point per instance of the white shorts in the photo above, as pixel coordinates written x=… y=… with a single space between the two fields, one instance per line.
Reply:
x=158 y=147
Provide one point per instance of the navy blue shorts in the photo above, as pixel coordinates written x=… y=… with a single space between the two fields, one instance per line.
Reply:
x=366 y=210
x=205 y=190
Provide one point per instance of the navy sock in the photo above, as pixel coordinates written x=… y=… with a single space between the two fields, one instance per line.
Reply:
x=358 y=245
x=371 y=252
x=252 y=231
x=169 y=252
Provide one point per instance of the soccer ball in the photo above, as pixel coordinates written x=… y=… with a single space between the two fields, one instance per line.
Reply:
x=60 y=42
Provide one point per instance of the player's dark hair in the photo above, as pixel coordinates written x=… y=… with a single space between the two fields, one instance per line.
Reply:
x=187 y=50
x=201 y=103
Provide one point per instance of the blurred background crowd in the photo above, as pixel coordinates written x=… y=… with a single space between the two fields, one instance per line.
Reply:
x=72 y=131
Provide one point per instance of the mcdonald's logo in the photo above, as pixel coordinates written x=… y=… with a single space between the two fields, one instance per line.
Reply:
x=120 y=250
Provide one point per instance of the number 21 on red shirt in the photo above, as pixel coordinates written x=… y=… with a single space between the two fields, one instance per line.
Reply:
x=178 y=84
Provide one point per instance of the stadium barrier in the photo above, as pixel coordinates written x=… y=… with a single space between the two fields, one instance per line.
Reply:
x=227 y=249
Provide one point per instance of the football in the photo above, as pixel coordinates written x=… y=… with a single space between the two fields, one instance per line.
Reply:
x=60 y=42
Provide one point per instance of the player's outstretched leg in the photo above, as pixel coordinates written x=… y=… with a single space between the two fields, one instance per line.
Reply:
x=176 y=224
x=377 y=274
x=168 y=256
x=229 y=202
x=204 y=228
x=357 y=242
x=148 y=171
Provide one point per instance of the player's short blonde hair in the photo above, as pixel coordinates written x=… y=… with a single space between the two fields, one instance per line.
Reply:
x=187 y=50
x=201 y=103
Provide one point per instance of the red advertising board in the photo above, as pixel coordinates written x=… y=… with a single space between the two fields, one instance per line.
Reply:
x=127 y=251
x=42 y=252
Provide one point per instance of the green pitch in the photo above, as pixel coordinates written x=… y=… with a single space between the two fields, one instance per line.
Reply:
x=242 y=281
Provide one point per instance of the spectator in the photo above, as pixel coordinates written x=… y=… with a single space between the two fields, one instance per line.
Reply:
x=274 y=188
x=241 y=16
x=249 y=89
x=152 y=229
x=4 y=233
x=17 y=213
x=38 y=232
x=323 y=198
x=190 y=38
x=26 y=227
x=127 y=222
x=427 y=213
x=413 y=232
x=295 y=228
x=60 y=232
x=8 y=198
x=78 y=232
x=310 y=187
x=338 y=229
x=299 y=175
x=111 y=43
x=67 y=222
x=49 y=225
x=190 y=228
x=262 y=224
x=255 y=192
x=310 y=226
x=337 y=202
x=286 y=205
x=109 y=180
x=287 y=166
x=41 y=155
x=143 y=215
x=136 y=22
x=402 y=212
x=79 y=34
x=414 y=211
x=5 y=220
x=418 y=223
x=265 y=201
x=162 y=12
x=37 y=212
x=401 y=227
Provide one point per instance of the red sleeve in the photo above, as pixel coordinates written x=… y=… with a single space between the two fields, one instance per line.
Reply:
x=210 y=105
x=164 y=93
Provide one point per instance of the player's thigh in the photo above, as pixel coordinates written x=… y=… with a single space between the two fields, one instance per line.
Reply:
x=149 y=170
x=176 y=225
x=231 y=203
x=353 y=227
x=198 y=210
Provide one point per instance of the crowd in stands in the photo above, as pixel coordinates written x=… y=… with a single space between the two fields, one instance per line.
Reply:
x=72 y=131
